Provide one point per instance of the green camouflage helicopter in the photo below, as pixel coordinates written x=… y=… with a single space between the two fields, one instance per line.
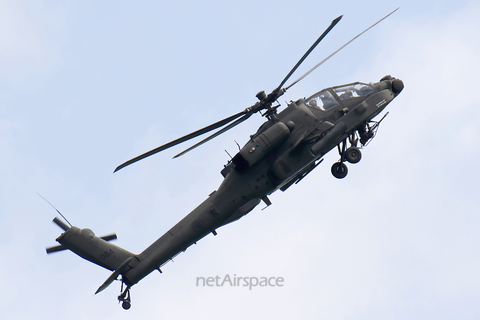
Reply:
x=286 y=148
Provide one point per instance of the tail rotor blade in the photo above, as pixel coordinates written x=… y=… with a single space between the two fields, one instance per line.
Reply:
x=56 y=220
x=114 y=275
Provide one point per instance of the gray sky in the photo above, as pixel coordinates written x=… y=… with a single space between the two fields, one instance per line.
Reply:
x=86 y=86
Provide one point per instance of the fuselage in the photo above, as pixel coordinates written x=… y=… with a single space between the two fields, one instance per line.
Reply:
x=281 y=152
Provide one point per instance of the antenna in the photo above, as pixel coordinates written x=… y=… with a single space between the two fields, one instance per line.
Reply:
x=55 y=209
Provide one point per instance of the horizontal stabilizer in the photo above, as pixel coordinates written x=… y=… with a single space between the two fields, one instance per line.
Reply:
x=61 y=224
x=56 y=249
x=110 y=237
x=114 y=275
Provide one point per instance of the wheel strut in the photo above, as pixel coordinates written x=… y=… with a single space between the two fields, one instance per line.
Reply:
x=124 y=297
x=339 y=169
x=351 y=154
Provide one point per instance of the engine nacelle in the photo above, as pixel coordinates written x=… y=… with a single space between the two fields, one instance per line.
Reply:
x=258 y=147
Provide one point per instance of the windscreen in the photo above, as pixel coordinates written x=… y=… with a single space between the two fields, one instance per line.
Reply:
x=351 y=91
x=323 y=100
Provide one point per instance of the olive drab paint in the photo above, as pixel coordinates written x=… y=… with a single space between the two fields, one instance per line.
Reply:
x=286 y=148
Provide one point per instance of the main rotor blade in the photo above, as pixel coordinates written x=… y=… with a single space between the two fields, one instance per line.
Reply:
x=230 y=126
x=192 y=135
x=334 y=22
x=346 y=44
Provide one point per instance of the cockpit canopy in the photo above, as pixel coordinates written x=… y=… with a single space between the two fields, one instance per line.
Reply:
x=322 y=100
x=355 y=90
x=325 y=100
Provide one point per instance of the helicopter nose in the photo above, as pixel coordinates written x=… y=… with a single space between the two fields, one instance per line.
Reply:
x=397 y=86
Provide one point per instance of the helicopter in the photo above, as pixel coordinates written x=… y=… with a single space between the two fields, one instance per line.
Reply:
x=284 y=150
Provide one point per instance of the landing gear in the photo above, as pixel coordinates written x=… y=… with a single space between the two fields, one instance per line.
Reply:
x=126 y=305
x=363 y=134
x=339 y=170
x=351 y=155
x=124 y=298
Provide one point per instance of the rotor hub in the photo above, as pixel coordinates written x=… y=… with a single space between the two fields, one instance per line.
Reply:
x=261 y=95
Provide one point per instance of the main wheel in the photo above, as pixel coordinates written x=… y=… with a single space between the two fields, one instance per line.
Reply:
x=353 y=155
x=339 y=170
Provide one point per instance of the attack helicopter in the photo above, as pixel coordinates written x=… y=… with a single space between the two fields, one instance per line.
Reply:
x=285 y=149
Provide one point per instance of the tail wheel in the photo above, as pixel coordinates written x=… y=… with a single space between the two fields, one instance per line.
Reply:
x=124 y=297
x=353 y=155
x=339 y=170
